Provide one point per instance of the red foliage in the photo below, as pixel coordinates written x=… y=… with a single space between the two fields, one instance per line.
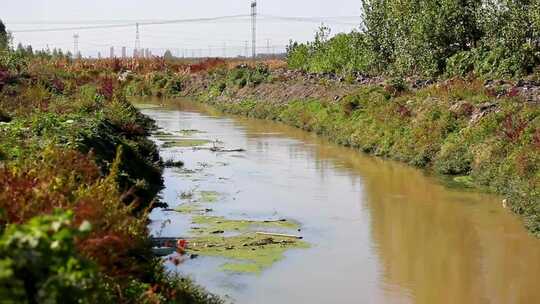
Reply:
x=536 y=139
x=403 y=111
x=107 y=88
x=132 y=129
x=491 y=92
x=524 y=165
x=206 y=65
x=513 y=92
x=58 y=85
x=513 y=127
x=4 y=76
x=111 y=251
x=67 y=179
x=466 y=109
x=30 y=192
x=116 y=65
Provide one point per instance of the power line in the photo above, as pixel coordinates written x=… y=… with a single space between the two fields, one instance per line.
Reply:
x=308 y=19
x=94 y=27
x=133 y=21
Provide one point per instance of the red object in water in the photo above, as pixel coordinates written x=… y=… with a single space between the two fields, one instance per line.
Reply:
x=181 y=244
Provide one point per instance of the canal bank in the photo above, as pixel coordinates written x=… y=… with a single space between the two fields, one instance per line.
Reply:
x=476 y=134
x=379 y=231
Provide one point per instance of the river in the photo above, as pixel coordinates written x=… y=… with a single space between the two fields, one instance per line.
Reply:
x=379 y=231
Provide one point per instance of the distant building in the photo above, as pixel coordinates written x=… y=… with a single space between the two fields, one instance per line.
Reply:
x=124 y=54
x=112 y=52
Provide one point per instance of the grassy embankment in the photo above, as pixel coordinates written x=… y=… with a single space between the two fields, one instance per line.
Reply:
x=481 y=137
x=77 y=177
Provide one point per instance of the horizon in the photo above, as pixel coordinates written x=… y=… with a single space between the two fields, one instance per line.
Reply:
x=302 y=20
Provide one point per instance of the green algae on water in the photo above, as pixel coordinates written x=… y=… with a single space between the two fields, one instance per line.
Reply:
x=185 y=143
x=188 y=208
x=190 y=132
x=208 y=196
x=212 y=223
x=250 y=252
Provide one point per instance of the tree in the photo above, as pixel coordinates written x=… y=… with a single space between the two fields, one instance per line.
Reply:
x=29 y=50
x=5 y=37
x=168 y=55
x=419 y=36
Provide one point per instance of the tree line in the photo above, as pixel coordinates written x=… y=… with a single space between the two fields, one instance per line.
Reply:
x=492 y=38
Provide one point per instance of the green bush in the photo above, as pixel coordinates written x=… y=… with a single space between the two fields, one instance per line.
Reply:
x=39 y=264
x=454 y=158
x=430 y=39
x=343 y=54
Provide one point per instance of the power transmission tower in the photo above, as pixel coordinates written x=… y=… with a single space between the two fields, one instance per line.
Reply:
x=137 y=41
x=254 y=28
x=76 y=46
x=246 y=51
x=268 y=47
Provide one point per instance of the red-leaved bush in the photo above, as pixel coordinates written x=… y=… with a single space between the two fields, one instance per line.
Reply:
x=69 y=180
x=107 y=88
x=513 y=127
x=536 y=139
x=206 y=65
x=403 y=111
x=58 y=85
x=4 y=76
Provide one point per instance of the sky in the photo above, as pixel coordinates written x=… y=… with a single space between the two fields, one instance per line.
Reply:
x=216 y=38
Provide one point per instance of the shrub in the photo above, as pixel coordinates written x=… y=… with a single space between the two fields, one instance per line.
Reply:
x=454 y=158
x=40 y=264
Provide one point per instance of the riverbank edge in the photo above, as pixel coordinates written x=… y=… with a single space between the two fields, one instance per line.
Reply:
x=339 y=120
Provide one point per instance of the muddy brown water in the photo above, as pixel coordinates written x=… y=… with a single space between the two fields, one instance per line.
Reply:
x=380 y=231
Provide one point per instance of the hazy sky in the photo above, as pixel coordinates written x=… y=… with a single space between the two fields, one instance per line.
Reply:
x=202 y=38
